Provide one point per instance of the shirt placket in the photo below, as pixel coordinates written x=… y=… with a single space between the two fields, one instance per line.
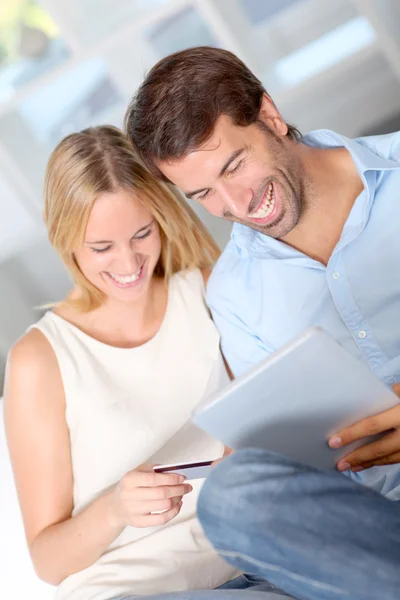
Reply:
x=348 y=310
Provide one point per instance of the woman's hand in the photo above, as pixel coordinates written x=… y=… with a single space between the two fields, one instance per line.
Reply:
x=385 y=451
x=227 y=452
x=142 y=492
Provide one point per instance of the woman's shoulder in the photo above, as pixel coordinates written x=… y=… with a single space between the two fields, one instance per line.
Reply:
x=33 y=391
x=32 y=373
x=31 y=352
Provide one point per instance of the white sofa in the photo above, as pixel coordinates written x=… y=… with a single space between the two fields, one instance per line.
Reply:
x=18 y=579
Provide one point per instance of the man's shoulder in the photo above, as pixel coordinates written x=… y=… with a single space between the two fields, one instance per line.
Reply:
x=227 y=263
x=226 y=274
x=386 y=145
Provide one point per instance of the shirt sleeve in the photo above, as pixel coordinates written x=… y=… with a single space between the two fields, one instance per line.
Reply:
x=240 y=345
x=395 y=147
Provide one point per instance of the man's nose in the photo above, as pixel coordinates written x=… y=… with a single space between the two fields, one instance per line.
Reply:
x=236 y=201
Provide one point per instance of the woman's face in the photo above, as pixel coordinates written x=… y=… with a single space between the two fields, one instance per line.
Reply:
x=121 y=248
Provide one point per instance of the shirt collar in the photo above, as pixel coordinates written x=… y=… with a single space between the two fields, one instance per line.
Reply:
x=249 y=241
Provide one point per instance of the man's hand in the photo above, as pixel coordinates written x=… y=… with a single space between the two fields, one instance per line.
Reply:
x=385 y=451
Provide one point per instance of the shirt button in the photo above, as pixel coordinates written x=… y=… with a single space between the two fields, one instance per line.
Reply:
x=362 y=334
x=335 y=275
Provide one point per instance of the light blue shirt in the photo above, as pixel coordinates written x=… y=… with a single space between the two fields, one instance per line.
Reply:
x=262 y=292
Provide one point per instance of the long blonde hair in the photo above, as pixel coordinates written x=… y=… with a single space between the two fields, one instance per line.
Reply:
x=101 y=159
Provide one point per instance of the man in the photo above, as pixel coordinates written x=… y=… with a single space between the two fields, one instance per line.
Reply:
x=315 y=242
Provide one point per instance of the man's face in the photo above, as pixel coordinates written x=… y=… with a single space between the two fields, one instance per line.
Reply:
x=250 y=175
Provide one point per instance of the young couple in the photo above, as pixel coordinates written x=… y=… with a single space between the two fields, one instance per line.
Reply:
x=103 y=386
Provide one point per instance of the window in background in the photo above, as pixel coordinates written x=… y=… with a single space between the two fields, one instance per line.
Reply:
x=29 y=45
x=83 y=96
x=184 y=29
x=91 y=20
x=258 y=11
x=297 y=41
x=324 y=52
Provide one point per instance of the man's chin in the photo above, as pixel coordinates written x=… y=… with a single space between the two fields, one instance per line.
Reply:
x=282 y=225
x=273 y=229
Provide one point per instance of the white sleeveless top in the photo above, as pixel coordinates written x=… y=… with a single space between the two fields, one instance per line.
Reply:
x=125 y=407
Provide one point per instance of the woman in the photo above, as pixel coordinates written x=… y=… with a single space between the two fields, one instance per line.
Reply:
x=103 y=386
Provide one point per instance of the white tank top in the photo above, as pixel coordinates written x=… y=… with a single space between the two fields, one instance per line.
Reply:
x=125 y=407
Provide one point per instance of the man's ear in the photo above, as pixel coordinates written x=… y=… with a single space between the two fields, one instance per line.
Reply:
x=271 y=116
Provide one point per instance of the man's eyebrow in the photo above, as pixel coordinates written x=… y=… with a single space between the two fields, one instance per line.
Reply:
x=110 y=241
x=222 y=172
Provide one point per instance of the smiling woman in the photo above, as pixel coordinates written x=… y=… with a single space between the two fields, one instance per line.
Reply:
x=102 y=387
x=99 y=200
x=122 y=246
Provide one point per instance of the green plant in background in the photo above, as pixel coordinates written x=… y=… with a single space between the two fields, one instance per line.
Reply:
x=25 y=29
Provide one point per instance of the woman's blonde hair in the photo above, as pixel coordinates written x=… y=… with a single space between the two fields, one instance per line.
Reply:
x=101 y=159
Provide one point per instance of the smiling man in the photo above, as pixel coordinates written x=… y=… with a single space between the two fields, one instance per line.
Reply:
x=315 y=238
x=315 y=216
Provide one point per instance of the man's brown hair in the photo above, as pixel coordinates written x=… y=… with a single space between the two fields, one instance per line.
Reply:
x=178 y=104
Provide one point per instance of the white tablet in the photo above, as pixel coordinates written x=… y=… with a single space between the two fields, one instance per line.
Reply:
x=295 y=400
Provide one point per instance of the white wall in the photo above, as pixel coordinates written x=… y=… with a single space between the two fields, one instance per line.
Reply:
x=102 y=65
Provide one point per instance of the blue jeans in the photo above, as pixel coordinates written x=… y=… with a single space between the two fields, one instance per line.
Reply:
x=315 y=534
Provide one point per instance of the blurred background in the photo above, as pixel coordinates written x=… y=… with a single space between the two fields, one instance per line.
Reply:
x=65 y=65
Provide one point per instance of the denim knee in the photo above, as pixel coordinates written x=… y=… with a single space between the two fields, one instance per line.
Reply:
x=228 y=490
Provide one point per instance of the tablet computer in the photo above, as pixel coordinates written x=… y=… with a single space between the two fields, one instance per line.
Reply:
x=293 y=401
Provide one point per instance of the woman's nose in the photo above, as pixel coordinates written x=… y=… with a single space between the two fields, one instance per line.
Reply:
x=129 y=261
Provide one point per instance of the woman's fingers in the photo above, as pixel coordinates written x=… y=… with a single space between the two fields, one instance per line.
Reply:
x=162 y=492
x=160 y=505
x=152 y=520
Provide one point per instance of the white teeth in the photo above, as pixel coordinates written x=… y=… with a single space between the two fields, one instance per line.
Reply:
x=267 y=206
x=127 y=278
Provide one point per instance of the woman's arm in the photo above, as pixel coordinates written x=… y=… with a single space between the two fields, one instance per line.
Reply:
x=39 y=447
